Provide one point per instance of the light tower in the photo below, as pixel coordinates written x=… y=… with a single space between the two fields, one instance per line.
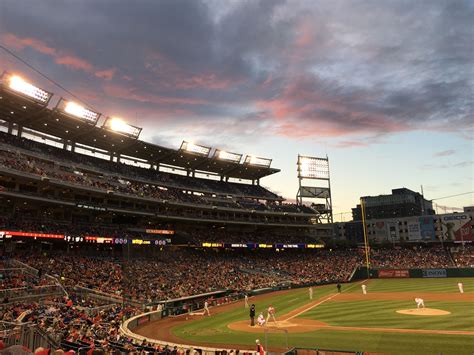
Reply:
x=314 y=183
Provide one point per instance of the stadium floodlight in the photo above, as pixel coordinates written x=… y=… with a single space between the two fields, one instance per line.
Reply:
x=21 y=86
x=313 y=167
x=253 y=160
x=72 y=108
x=118 y=125
x=228 y=156
x=193 y=148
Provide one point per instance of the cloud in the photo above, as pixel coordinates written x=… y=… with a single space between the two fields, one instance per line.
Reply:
x=445 y=153
x=299 y=68
x=74 y=62
x=107 y=74
x=449 y=165
x=14 y=42
x=61 y=57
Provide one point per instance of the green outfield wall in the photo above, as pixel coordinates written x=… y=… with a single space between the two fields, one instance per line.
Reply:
x=361 y=273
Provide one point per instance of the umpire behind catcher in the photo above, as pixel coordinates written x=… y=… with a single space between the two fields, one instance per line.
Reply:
x=252 y=315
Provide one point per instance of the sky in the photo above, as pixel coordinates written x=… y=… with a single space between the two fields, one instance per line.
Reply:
x=383 y=88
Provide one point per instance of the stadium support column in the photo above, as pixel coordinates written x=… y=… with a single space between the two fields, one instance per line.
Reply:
x=366 y=240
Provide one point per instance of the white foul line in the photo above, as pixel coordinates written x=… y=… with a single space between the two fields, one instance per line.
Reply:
x=321 y=302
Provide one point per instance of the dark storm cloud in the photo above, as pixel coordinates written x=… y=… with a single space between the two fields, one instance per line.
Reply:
x=299 y=68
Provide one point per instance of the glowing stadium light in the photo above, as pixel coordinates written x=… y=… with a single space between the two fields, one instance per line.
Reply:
x=73 y=109
x=253 y=160
x=195 y=148
x=223 y=155
x=19 y=85
x=120 y=126
x=313 y=167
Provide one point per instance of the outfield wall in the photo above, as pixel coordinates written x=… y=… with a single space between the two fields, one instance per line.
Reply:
x=361 y=273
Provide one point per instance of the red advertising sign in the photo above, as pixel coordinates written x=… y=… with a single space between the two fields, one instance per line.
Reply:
x=390 y=274
x=32 y=234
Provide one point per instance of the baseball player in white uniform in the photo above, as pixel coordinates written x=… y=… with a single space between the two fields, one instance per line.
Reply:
x=246 y=301
x=261 y=320
x=206 y=308
x=461 y=287
x=419 y=302
x=310 y=290
x=271 y=313
x=364 y=289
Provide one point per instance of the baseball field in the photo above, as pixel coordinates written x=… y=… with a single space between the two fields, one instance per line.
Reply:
x=386 y=320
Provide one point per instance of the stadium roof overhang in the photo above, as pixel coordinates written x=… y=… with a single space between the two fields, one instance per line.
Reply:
x=33 y=115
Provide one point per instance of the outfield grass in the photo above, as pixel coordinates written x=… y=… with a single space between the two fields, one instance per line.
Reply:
x=379 y=314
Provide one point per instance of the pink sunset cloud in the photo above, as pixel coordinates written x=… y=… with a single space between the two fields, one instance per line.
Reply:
x=129 y=93
x=60 y=57
x=107 y=74
x=19 y=43
x=74 y=63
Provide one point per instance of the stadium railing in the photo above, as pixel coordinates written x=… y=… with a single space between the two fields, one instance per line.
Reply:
x=27 y=335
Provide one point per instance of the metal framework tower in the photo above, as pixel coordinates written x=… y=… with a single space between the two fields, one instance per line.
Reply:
x=315 y=184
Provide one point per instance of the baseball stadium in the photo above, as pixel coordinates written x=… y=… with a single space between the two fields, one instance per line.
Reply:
x=239 y=177
x=120 y=253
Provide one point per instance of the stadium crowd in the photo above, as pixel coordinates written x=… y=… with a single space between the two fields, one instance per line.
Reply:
x=414 y=257
x=69 y=174
x=464 y=256
x=198 y=271
x=105 y=166
x=176 y=273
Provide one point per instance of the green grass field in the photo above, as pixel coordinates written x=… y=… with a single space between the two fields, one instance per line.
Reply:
x=360 y=313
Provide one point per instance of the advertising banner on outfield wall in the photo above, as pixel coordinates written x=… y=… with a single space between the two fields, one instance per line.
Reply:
x=390 y=274
x=434 y=273
x=456 y=227
x=427 y=228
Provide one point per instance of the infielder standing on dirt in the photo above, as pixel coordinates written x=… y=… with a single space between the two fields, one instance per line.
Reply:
x=246 y=301
x=364 y=289
x=271 y=313
x=461 y=287
x=206 y=308
x=419 y=302
x=310 y=290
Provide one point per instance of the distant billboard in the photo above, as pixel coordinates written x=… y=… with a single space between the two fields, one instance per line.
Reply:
x=414 y=229
x=315 y=192
x=456 y=227
x=427 y=228
x=392 y=230
x=379 y=231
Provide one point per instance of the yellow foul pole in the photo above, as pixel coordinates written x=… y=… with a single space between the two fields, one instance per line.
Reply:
x=366 y=240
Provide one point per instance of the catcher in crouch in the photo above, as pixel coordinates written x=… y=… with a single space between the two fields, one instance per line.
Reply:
x=261 y=320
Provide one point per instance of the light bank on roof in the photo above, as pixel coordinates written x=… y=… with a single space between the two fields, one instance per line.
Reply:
x=22 y=104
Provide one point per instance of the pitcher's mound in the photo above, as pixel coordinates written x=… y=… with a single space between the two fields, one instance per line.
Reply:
x=424 y=312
